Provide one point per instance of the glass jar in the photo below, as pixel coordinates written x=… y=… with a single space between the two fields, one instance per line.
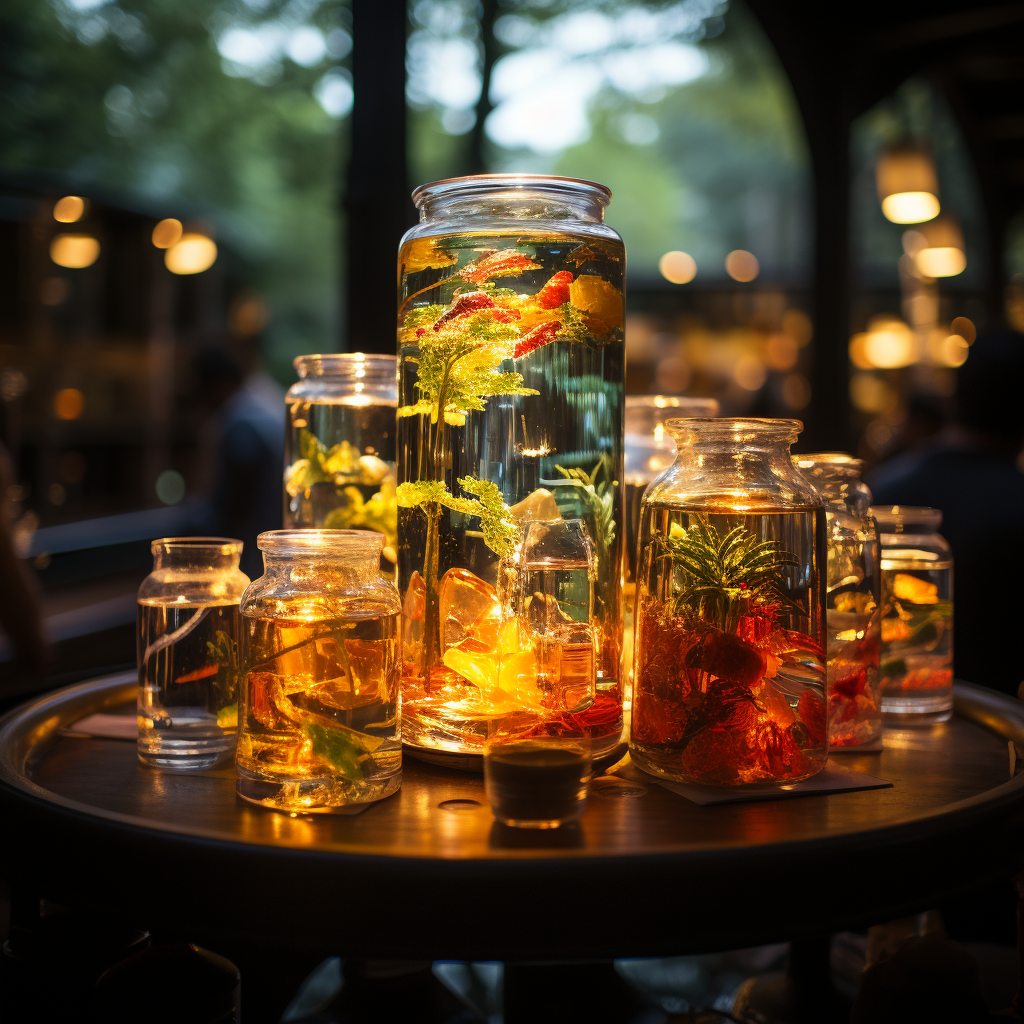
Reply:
x=319 y=720
x=187 y=643
x=340 y=445
x=853 y=598
x=649 y=450
x=511 y=353
x=917 y=615
x=729 y=669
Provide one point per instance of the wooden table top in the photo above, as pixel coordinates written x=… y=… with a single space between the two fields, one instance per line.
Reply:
x=428 y=873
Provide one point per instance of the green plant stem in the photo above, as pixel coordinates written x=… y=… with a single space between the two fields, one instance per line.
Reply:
x=432 y=510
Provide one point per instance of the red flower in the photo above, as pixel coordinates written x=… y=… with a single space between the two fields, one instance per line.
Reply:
x=811 y=709
x=556 y=291
x=467 y=303
x=542 y=334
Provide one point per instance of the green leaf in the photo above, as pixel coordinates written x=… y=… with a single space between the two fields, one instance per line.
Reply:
x=342 y=748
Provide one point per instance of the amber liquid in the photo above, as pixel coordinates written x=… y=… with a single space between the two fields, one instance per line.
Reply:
x=731 y=692
x=522 y=443
x=319 y=716
x=917 y=636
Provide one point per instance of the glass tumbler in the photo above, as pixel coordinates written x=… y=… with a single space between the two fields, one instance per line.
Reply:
x=537 y=757
x=340 y=445
x=319 y=724
x=188 y=653
x=917 y=616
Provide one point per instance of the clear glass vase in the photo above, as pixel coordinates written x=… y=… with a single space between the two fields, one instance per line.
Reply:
x=510 y=337
x=340 y=445
x=319 y=724
x=729 y=670
x=188 y=653
x=854 y=596
x=649 y=450
x=917 y=616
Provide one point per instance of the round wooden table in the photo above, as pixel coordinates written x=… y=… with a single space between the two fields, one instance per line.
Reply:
x=427 y=874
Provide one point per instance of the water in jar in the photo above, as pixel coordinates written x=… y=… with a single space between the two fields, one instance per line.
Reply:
x=532 y=406
x=188 y=677
x=340 y=465
x=916 y=667
x=729 y=673
x=320 y=710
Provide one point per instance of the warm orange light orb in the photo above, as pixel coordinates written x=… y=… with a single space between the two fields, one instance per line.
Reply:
x=742 y=266
x=68 y=403
x=192 y=254
x=678 y=267
x=69 y=209
x=74 y=251
x=167 y=232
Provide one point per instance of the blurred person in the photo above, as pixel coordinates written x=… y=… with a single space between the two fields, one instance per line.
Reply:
x=969 y=471
x=21 y=615
x=244 y=452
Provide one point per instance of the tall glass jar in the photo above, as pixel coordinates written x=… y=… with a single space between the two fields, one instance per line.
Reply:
x=649 y=449
x=917 y=615
x=319 y=720
x=188 y=652
x=729 y=670
x=854 y=594
x=510 y=337
x=340 y=445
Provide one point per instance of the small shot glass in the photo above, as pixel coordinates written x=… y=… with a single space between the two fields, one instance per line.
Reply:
x=535 y=781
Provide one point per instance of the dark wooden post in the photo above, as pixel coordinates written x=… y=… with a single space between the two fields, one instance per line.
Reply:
x=377 y=201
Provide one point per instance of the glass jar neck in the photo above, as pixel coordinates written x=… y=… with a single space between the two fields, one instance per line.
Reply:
x=906 y=519
x=731 y=437
x=352 y=373
x=836 y=477
x=512 y=197
x=196 y=554
x=308 y=552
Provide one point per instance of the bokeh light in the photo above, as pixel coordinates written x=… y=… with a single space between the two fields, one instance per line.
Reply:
x=170 y=487
x=742 y=266
x=943 y=261
x=910 y=207
x=167 y=232
x=192 y=254
x=678 y=267
x=68 y=403
x=796 y=391
x=74 y=251
x=965 y=328
x=69 y=209
x=750 y=373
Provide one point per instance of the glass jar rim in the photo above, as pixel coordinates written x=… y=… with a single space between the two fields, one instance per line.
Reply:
x=737 y=428
x=840 y=461
x=197 y=546
x=321 y=543
x=670 y=402
x=907 y=515
x=345 y=364
x=492 y=184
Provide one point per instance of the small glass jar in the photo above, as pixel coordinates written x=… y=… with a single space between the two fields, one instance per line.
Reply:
x=188 y=653
x=649 y=450
x=729 y=670
x=537 y=756
x=854 y=595
x=340 y=445
x=511 y=382
x=917 y=616
x=319 y=724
